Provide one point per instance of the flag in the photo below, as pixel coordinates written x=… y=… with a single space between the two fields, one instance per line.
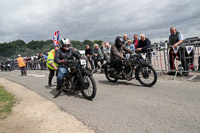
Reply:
x=175 y=49
x=189 y=49
x=56 y=38
x=56 y=35
x=55 y=42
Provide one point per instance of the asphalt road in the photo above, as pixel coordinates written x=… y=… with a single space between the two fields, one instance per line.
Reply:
x=126 y=107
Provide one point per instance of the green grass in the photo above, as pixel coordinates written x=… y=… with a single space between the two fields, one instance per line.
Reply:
x=7 y=101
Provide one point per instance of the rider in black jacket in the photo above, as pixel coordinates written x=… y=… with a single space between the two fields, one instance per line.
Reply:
x=62 y=55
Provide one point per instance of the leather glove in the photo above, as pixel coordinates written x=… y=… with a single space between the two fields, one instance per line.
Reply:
x=62 y=61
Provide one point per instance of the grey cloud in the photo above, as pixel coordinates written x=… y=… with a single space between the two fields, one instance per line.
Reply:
x=94 y=20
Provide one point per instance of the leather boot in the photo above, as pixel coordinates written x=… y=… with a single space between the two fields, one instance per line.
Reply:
x=58 y=92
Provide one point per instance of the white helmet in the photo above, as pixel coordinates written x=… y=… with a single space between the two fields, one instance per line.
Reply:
x=65 y=43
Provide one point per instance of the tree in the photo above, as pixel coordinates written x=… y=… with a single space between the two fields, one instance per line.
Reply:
x=12 y=49
x=98 y=42
x=88 y=42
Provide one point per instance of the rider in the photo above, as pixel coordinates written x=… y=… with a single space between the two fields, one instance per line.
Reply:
x=63 y=54
x=117 y=54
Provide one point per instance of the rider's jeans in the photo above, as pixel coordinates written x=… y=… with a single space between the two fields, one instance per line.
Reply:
x=61 y=73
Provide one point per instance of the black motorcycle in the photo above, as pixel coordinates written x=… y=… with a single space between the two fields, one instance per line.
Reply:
x=5 y=67
x=79 y=79
x=133 y=68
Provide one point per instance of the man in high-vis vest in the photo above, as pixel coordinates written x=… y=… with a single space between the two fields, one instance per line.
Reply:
x=22 y=65
x=51 y=64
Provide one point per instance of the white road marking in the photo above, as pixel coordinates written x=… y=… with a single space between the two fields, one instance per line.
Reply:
x=36 y=75
x=194 y=76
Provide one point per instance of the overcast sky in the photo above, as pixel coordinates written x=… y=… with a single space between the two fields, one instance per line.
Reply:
x=97 y=19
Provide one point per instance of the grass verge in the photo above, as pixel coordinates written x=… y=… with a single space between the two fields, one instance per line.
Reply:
x=7 y=101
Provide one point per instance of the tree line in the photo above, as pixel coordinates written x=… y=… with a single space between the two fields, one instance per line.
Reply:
x=12 y=49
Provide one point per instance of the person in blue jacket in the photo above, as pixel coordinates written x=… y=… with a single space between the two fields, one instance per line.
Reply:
x=130 y=46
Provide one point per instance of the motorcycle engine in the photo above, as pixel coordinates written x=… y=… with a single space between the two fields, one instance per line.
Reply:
x=127 y=73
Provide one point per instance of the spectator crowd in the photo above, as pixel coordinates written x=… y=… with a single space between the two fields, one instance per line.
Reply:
x=37 y=62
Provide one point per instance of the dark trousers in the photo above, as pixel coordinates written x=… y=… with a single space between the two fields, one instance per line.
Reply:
x=42 y=65
x=23 y=71
x=199 y=63
x=90 y=61
x=149 y=57
x=51 y=73
x=117 y=64
x=181 y=55
x=102 y=62
x=96 y=65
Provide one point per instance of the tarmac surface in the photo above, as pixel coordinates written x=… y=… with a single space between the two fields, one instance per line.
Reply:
x=126 y=106
x=35 y=114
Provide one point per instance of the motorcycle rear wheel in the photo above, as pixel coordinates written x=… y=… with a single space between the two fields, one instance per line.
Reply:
x=107 y=74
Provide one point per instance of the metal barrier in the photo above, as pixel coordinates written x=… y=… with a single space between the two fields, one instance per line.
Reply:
x=184 y=59
x=159 y=60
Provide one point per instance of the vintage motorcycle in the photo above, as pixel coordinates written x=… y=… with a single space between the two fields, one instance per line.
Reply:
x=133 y=68
x=79 y=79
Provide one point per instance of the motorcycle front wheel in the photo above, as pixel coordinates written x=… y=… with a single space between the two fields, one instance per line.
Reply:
x=146 y=75
x=90 y=89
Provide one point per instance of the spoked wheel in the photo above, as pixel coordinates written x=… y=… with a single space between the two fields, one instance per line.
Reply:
x=108 y=75
x=146 y=75
x=90 y=89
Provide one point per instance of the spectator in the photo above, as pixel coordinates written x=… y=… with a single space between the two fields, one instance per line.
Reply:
x=29 y=60
x=106 y=54
x=144 y=46
x=136 y=40
x=125 y=39
x=26 y=61
x=12 y=64
x=16 y=64
x=103 y=46
x=89 y=54
x=36 y=62
x=130 y=46
x=107 y=51
x=97 y=56
x=176 y=38
x=43 y=59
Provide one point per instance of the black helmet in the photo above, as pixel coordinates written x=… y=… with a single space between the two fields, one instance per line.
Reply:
x=118 y=41
x=65 y=43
